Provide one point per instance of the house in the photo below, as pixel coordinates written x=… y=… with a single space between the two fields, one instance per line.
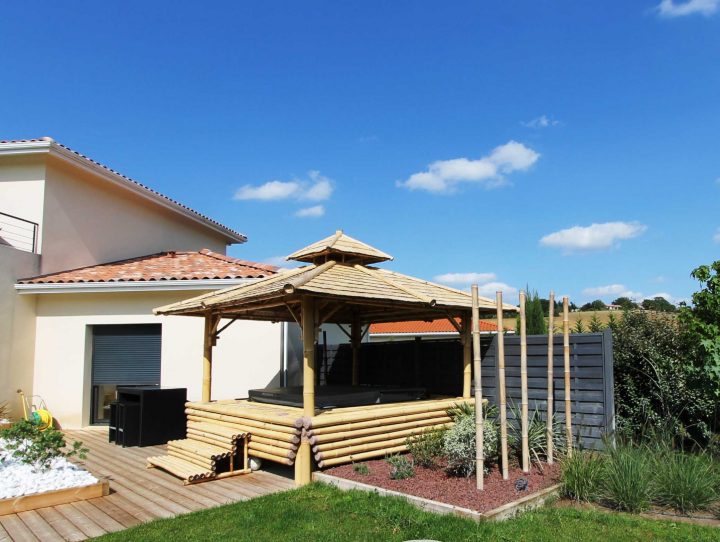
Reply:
x=85 y=255
x=434 y=329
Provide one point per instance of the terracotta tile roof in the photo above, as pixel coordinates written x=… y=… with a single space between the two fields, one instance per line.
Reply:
x=239 y=237
x=165 y=266
x=418 y=326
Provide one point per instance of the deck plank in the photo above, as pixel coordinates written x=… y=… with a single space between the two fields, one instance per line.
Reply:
x=62 y=526
x=138 y=495
x=40 y=528
x=16 y=528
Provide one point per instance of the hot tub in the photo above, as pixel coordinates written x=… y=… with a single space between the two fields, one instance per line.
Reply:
x=339 y=396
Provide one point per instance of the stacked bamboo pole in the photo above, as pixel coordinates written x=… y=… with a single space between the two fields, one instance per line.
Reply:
x=355 y=434
x=550 y=368
x=566 y=359
x=479 y=418
x=523 y=388
x=274 y=432
x=209 y=454
x=501 y=386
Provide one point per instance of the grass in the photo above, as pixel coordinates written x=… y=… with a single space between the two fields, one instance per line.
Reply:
x=582 y=476
x=686 y=482
x=322 y=513
x=629 y=478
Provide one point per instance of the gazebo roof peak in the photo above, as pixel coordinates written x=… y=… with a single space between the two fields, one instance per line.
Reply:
x=340 y=247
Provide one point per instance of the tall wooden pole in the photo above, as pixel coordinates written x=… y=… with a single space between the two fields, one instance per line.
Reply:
x=211 y=323
x=501 y=386
x=523 y=388
x=303 y=460
x=566 y=357
x=550 y=368
x=479 y=418
x=355 y=338
x=466 y=339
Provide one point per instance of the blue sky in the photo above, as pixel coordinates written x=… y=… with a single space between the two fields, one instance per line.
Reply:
x=573 y=146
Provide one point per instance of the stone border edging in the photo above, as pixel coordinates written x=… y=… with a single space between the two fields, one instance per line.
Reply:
x=506 y=511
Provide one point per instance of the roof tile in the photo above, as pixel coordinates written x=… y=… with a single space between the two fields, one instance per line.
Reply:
x=164 y=266
x=441 y=325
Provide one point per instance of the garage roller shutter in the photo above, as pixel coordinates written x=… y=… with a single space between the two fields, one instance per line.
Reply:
x=126 y=354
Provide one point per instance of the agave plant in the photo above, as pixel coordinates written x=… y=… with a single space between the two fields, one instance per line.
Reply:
x=537 y=433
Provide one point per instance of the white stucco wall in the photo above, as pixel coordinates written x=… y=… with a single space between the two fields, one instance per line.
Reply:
x=247 y=355
x=88 y=221
x=17 y=326
x=22 y=186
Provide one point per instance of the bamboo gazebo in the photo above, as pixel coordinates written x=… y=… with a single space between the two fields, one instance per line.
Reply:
x=339 y=285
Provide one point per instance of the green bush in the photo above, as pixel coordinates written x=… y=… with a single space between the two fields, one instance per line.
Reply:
x=537 y=434
x=582 y=476
x=400 y=467
x=427 y=447
x=686 y=482
x=628 y=478
x=658 y=386
x=459 y=444
x=32 y=446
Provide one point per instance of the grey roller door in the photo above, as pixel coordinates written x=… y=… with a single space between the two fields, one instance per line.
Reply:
x=126 y=354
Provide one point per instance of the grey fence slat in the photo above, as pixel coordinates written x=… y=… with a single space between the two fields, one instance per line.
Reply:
x=591 y=380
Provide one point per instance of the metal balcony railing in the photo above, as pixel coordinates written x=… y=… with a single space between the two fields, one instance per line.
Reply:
x=18 y=233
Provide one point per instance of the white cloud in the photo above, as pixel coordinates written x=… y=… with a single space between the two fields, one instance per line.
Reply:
x=678 y=8
x=543 y=121
x=611 y=291
x=465 y=278
x=320 y=190
x=593 y=237
x=311 y=212
x=271 y=190
x=316 y=188
x=489 y=289
x=281 y=263
x=443 y=176
x=716 y=237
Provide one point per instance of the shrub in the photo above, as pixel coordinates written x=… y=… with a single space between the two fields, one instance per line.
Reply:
x=628 y=478
x=400 y=467
x=537 y=434
x=427 y=447
x=459 y=444
x=30 y=445
x=582 y=475
x=686 y=482
x=4 y=410
x=657 y=386
x=361 y=468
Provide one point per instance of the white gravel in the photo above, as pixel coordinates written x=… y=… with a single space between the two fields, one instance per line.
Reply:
x=18 y=479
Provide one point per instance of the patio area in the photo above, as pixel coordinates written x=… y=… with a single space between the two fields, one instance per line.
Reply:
x=137 y=494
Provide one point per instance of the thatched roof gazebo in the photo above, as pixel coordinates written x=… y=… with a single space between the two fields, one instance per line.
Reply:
x=340 y=286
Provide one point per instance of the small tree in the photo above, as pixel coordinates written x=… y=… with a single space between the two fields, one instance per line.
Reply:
x=703 y=321
x=534 y=315
x=596 y=305
x=579 y=326
x=626 y=303
x=595 y=324
x=658 y=304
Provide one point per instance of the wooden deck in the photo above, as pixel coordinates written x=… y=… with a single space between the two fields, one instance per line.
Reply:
x=137 y=495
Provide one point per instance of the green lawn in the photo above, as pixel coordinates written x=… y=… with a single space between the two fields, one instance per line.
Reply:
x=321 y=513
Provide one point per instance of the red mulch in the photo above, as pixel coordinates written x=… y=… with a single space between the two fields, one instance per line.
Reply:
x=436 y=485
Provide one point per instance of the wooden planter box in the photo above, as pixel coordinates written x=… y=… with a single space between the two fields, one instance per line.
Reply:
x=24 y=503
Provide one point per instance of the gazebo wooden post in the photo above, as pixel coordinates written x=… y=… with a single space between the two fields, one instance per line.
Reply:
x=501 y=386
x=466 y=339
x=355 y=339
x=211 y=323
x=303 y=461
x=479 y=418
